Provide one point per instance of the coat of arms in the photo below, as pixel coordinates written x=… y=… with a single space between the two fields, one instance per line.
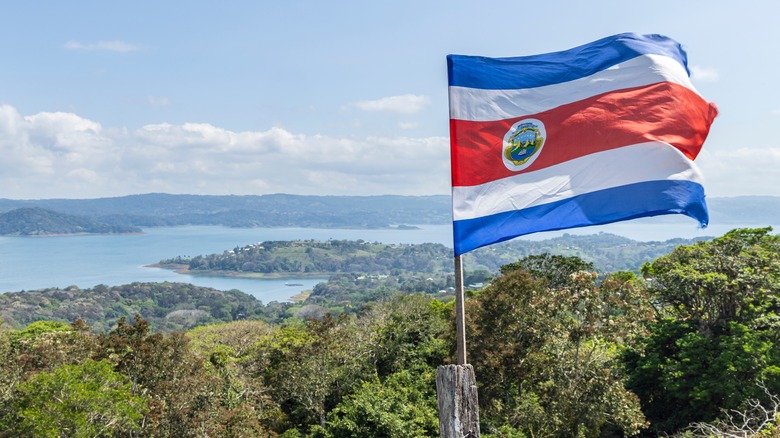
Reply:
x=522 y=144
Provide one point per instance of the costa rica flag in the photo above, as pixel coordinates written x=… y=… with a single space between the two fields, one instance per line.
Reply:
x=600 y=133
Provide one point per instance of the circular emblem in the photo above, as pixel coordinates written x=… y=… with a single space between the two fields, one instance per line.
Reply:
x=522 y=144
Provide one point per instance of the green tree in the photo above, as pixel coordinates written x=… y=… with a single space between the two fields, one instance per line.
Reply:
x=190 y=393
x=544 y=346
x=411 y=333
x=311 y=367
x=683 y=376
x=183 y=397
x=718 y=331
x=556 y=270
x=316 y=367
x=87 y=400
x=404 y=405
x=44 y=345
x=734 y=278
x=241 y=401
x=10 y=373
x=398 y=343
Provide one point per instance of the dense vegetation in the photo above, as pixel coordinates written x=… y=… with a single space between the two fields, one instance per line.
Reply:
x=35 y=221
x=166 y=306
x=359 y=272
x=607 y=252
x=688 y=348
x=715 y=343
x=297 y=257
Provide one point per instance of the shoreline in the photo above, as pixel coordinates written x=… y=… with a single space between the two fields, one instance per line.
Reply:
x=400 y=227
x=184 y=269
x=72 y=234
x=301 y=296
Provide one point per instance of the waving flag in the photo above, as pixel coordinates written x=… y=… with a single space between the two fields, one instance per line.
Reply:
x=604 y=132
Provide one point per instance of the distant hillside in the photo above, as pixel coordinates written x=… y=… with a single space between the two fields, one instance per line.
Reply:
x=607 y=252
x=36 y=221
x=280 y=210
x=744 y=209
x=167 y=306
x=309 y=256
x=252 y=211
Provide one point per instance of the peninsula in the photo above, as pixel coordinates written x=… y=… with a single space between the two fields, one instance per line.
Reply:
x=36 y=221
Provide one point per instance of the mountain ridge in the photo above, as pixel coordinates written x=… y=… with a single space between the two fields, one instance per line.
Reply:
x=37 y=221
x=331 y=211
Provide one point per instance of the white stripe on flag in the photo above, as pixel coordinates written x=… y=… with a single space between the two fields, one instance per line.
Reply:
x=643 y=162
x=487 y=105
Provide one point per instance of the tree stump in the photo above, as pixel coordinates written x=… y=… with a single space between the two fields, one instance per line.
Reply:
x=456 y=390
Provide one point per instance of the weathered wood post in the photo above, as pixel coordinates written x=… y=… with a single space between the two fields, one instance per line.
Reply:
x=456 y=389
x=456 y=386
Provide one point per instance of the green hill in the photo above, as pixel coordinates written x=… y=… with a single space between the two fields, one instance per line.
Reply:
x=285 y=210
x=309 y=256
x=36 y=221
x=277 y=210
x=167 y=306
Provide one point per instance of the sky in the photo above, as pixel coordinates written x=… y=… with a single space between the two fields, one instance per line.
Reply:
x=101 y=99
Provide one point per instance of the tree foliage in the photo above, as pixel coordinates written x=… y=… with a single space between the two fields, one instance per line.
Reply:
x=166 y=306
x=403 y=405
x=330 y=256
x=36 y=221
x=558 y=351
x=734 y=278
x=717 y=333
x=544 y=346
x=85 y=400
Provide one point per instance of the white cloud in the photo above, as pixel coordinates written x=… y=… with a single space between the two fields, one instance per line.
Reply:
x=704 y=74
x=404 y=104
x=111 y=46
x=49 y=155
x=740 y=171
x=158 y=101
x=61 y=154
x=52 y=152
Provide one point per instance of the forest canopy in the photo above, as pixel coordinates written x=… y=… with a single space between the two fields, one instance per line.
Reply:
x=688 y=347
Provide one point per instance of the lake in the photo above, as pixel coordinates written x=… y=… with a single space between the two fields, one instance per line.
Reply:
x=28 y=263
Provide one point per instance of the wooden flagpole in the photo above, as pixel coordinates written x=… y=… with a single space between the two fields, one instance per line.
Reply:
x=456 y=387
x=460 y=312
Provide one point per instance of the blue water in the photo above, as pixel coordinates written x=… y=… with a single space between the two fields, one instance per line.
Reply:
x=28 y=263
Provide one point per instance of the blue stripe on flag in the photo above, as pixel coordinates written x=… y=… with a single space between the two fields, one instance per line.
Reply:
x=652 y=198
x=553 y=68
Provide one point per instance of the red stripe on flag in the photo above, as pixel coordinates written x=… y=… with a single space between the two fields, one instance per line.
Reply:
x=664 y=112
